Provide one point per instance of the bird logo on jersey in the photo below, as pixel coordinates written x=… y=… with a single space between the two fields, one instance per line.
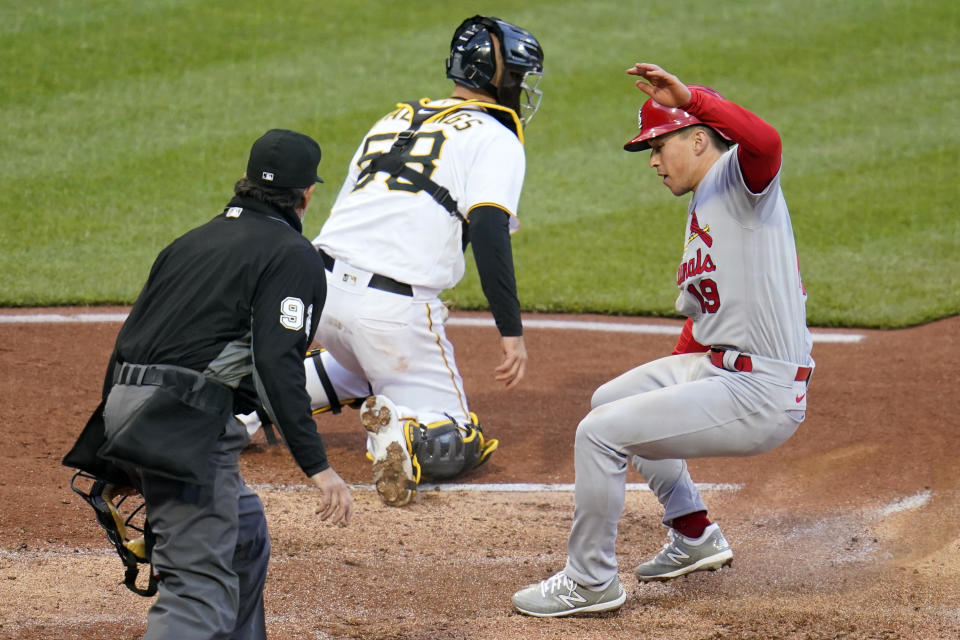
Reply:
x=696 y=230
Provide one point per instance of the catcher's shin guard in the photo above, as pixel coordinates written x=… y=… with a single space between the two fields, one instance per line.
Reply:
x=132 y=551
x=445 y=449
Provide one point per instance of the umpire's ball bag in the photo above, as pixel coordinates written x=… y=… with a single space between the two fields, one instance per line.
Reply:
x=169 y=431
x=84 y=456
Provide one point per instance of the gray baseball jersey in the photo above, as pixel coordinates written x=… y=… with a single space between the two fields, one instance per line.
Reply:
x=739 y=278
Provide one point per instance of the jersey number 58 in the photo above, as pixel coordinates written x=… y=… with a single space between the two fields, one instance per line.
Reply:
x=423 y=150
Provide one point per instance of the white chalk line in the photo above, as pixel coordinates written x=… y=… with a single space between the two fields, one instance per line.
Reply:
x=909 y=503
x=532 y=323
x=494 y=487
x=626 y=327
x=65 y=622
x=61 y=318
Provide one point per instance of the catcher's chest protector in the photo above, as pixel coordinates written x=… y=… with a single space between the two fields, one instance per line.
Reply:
x=395 y=160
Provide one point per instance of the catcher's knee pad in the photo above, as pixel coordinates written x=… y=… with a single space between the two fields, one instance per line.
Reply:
x=445 y=449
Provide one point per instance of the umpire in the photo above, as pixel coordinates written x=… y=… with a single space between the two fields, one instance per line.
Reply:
x=224 y=320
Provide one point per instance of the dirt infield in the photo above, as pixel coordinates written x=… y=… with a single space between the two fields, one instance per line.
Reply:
x=849 y=530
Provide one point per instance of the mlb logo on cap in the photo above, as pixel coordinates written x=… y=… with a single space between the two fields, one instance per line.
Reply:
x=284 y=159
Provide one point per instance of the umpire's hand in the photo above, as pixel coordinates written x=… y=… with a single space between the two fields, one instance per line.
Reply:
x=336 y=501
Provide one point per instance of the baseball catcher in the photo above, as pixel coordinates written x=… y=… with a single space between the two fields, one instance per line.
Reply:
x=429 y=178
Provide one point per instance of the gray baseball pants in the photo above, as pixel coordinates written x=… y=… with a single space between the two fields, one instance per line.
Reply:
x=211 y=552
x=656 y=416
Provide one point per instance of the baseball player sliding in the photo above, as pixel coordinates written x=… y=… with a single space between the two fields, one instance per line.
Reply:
x=429 y=177
x=744 y=394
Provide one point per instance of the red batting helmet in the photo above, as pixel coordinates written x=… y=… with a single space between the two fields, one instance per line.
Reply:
x=655 y=120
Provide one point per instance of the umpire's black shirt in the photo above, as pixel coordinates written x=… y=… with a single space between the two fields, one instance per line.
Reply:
x=238 y=299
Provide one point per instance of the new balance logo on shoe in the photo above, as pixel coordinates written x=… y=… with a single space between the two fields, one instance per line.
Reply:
x=573 y=597
x=680 y=556
x=560 y=596
x=676 y=556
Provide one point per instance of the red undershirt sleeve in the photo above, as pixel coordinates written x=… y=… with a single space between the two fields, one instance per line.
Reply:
x=686 y=343
x=759 y=146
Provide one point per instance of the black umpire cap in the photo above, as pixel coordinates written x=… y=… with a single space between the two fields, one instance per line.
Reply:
x=284 y=159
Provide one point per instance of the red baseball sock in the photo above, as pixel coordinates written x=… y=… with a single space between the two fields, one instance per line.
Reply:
x=692 y=524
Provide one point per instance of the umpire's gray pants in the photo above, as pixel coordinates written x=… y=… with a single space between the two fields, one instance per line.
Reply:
x=211 y=552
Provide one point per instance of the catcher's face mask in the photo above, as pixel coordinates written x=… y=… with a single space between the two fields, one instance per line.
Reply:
x=522 y=94
x=118 y=514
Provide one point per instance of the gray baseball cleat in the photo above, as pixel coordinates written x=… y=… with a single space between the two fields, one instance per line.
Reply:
x=560 y=596
x=393 y=472
x=682 y=555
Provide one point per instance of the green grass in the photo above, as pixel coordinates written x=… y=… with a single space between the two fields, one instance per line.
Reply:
x=127 y=123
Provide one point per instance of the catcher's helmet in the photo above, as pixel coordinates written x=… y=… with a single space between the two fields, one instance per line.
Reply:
x=473 y=63
x=655 y=120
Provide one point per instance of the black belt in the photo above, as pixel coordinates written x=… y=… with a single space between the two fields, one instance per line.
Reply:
x=151 y=374
x=377 y=281
x=205 y=390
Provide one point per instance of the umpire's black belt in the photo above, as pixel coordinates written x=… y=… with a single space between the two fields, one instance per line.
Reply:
x=377 y=281
x=209 y=392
